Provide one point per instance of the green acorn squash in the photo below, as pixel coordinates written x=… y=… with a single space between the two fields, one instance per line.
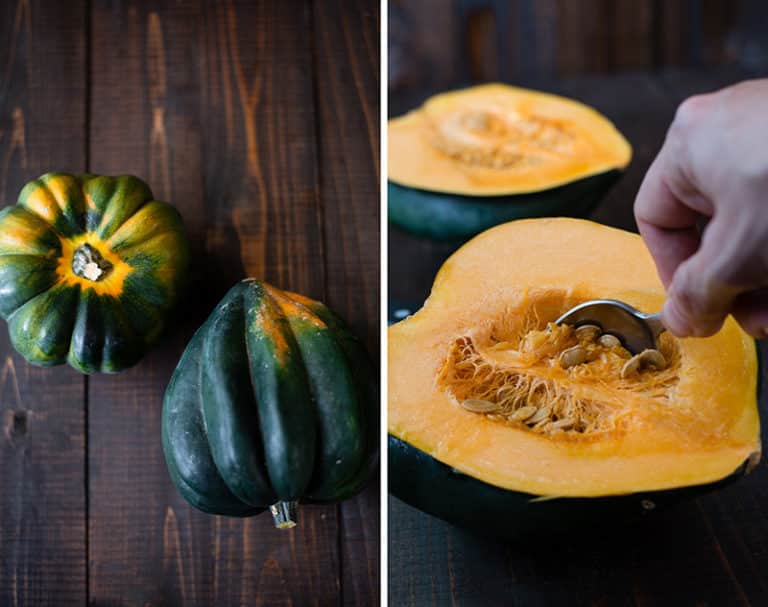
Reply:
x=493 y=427
x=274 y=402
x=89 y=268
x=470 y=159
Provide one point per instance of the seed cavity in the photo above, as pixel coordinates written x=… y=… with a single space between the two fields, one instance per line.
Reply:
x=505 y=372
x=503 y=140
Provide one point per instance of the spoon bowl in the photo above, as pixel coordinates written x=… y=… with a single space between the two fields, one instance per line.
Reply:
x=636 y=330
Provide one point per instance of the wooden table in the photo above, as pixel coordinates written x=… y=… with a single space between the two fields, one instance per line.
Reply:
x=709 y=552
x=259 y=121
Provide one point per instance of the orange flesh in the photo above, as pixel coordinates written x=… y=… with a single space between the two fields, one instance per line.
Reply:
x=496 y=139
x=694 y=422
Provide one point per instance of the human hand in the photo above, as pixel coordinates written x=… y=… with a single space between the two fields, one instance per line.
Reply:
x=713 y=164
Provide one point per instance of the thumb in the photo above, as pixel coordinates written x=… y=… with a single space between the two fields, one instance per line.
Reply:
x=699 y=299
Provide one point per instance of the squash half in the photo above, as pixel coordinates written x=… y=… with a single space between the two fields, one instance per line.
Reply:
x=470 y=159
x=483 y=334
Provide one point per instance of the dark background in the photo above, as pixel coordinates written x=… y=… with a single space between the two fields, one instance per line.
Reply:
x=635 y=61
x=260 y=122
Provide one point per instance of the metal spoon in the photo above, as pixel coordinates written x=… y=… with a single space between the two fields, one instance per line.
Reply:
x=636 y=330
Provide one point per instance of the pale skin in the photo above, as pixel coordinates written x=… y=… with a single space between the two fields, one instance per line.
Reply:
x=714 y=165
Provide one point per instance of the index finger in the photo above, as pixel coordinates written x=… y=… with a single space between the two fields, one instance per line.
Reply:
x=666 y=223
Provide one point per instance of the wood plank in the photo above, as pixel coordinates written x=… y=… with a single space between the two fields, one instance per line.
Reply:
x=212 y=102
x=671 y=45
x=42 y=443
x=347 y=74
x=631 y=34
x=580 y=45
x=424 y=47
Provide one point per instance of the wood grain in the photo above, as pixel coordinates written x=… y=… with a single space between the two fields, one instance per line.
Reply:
x=42 y=427
x=259 y=121
x=347 y=97
x=220 y=98
x=442 y=44
x=704 y=552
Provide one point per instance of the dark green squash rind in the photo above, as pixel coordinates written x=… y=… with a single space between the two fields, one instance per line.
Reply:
x=185 y=441
x=282 y=395
x=427 y=484
x=185 y=444
x=340 y=444
x=365 y=407
x=41 y=329
x=23 y=277
x=99 y=333
x=457 y=217
x=230 y=414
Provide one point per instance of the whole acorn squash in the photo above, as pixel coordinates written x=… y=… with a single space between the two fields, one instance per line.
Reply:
x=493 y=427
x=89 y=268
x=274 y=402
x=470 y=159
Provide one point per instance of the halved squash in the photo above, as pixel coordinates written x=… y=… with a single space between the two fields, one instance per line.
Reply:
x=489 y=420
x=470 y=159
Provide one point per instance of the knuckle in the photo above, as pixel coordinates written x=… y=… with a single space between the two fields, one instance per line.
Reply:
x=690 y=110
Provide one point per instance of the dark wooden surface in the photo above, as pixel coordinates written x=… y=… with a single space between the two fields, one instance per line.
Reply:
x=259 y=121
x=437 y=42
x=709 y=552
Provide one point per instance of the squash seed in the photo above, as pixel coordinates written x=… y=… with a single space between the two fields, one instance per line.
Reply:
x=609 y=341
x=646 y=358
x=563 y=424
x=523 y=413
x=539 y=416
x=653 y=358
x=587 y=332
x=572 y=356
x=477 y=405
x=631 y=367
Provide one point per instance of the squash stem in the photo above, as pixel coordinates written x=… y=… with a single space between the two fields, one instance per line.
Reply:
x=88 y=263
x=284 y=514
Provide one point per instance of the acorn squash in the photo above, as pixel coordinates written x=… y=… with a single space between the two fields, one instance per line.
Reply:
x=89 y=268
x=274 y=402
x=470 y=159
x=493 y=427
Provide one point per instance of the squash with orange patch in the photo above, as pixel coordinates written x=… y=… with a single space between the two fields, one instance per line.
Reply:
x=470 y=159
x=495 y=423
x=89 y=268
x=274 y=402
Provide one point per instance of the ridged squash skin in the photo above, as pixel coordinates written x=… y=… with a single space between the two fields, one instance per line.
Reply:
x=90 y=266
x=457 y=217
x=273 y=402
x=427 y=484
